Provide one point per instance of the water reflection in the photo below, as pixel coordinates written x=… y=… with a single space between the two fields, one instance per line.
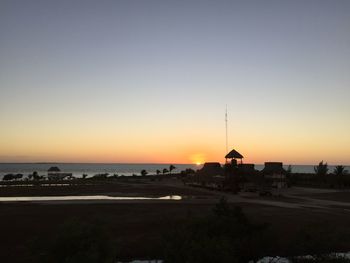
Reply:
x=143 y=261
x=84 y=197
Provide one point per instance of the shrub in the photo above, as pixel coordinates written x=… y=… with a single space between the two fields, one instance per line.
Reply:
x=226 y=235
x=321 y=169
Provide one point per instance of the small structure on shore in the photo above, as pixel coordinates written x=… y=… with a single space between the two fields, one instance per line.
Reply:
x=232 y=157
x=54 y=173
x=212 y=169
x=275 y=172
x=233 y=167
x=211 y=175
x=246 y=167
x=234 y=176
x=54 y=169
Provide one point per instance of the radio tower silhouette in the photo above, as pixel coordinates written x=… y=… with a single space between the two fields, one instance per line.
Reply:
x=226 y=130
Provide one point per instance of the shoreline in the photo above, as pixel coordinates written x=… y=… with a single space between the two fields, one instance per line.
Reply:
x=126 y=169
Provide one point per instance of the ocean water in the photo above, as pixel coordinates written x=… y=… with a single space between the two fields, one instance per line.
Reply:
x=85 y=198
x=78 y=169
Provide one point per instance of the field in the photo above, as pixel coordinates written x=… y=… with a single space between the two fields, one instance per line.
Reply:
x=140 y=226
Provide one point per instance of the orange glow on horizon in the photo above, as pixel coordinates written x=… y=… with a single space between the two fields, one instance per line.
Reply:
x=177 y=146
x=197 y=158
x=159 y=95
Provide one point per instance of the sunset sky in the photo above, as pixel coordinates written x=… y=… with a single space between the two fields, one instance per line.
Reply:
x=147 y=81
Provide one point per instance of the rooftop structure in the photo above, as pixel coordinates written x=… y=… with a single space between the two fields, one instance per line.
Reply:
x=233 y=155
x=54 y=169
x=54 y=173
x=211 y=168
x=273 y=168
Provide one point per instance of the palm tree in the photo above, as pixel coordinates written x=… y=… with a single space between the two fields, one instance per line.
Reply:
x=144 y=172
x=158 y=172
x=171 y=167
x=165 y=170
x=321 y=169
x=35 y=175
x=340 y=170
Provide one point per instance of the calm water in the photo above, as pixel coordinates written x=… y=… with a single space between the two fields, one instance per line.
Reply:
x=78 y=169
x=84 y=197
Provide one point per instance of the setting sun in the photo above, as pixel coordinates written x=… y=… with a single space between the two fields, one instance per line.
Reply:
x=197 y=158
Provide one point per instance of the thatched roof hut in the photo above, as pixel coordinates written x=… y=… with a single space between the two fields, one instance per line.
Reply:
x=54 y=169
x=211 y=169
x=273 y=168
x=234 y=155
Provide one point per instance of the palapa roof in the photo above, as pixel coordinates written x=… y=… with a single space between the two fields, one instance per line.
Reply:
x=211 y=168
x=54 y=169
x=273 y=167
x=234 y=154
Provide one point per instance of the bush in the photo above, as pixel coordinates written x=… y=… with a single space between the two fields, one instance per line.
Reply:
x=321 y=169
x=77 y=242
x=226 y=235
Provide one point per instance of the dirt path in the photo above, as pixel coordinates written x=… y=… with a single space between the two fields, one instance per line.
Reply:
x=295 y=193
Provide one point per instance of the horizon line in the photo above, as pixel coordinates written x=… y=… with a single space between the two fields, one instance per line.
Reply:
x=285 y=164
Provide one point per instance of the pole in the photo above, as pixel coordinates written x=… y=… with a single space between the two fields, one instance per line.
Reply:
x=226 y=130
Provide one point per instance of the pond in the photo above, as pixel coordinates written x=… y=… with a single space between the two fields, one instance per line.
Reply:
x=84 y=197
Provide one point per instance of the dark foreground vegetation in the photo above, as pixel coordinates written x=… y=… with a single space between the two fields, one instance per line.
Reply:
x=173 y=232
x=225 y=235
x=189 y=231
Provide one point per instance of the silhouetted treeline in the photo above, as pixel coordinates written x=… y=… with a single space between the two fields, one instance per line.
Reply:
x=327 y=181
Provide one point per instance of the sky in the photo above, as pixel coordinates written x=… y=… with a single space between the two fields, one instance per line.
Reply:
x=141 y=81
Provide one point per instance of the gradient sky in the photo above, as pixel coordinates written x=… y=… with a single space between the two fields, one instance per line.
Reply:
x=148 y=81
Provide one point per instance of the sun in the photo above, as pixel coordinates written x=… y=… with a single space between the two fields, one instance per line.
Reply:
x=197 y=158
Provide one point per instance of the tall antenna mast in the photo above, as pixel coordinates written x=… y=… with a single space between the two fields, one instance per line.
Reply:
x=226 y=130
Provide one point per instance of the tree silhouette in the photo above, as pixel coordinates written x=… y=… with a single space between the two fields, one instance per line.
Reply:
x=321 y=169
x=34 y=176
x=144 y=172
x=101 y=176
x=171 y=167
x=340 y=170
x=8 y=177
x=165 y=170
x=158 y=172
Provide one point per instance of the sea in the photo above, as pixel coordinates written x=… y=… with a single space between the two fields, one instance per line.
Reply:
x=126 y=169
x=91 y=169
